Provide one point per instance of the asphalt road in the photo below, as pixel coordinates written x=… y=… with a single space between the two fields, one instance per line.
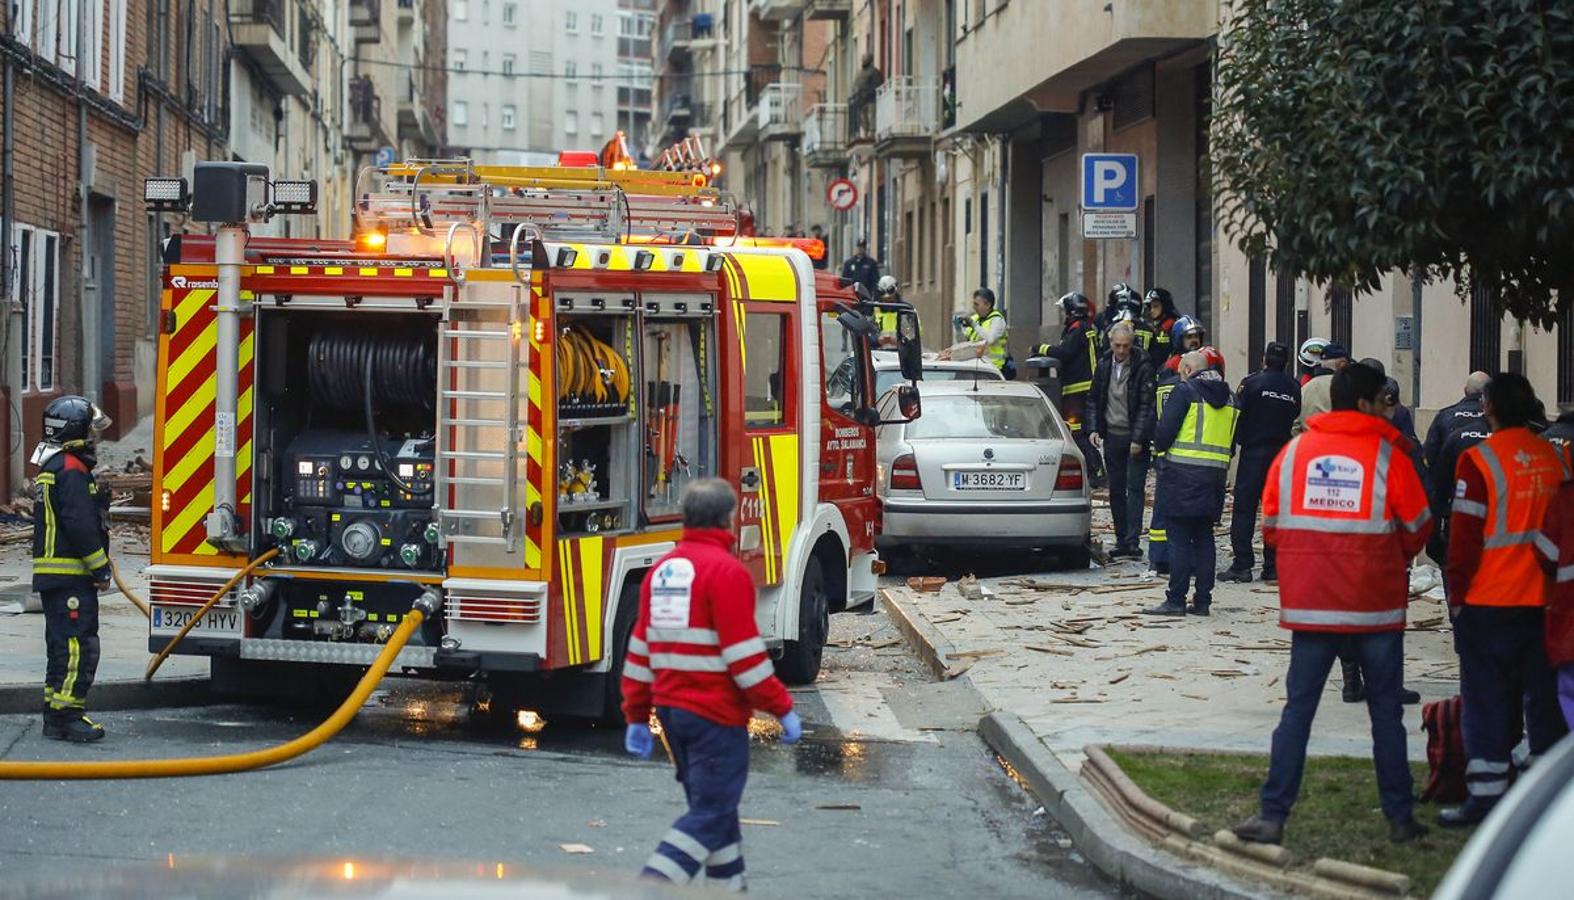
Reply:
x=890 y=794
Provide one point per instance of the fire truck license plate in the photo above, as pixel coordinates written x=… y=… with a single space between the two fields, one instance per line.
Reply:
x=989 y=481
x=217 y=623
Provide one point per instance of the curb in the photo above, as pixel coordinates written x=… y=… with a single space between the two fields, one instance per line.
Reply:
x=1103 y=840
x=1106 y=843
x=111 y=696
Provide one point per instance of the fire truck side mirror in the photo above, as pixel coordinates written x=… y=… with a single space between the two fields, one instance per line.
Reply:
x=907 y=403
x=909 y=346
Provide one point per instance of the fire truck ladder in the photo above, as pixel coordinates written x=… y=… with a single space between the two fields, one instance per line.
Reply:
x=560 y=203
x=481 y=366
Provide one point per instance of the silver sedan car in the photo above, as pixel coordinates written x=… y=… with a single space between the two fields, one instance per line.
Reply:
x=989 y=465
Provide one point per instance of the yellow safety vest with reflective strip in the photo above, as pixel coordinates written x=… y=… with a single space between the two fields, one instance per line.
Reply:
x=887 y=320
x=996 y=351
x=1206 y=436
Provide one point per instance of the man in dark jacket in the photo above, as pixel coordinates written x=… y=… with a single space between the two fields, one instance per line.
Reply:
x=1561 y=432
x=70 y=562
x=1270 y=402
x=1077 y=354
x=1465 y=413
x=1197 y=434
x=1160 y=314
x=861 y=268
x=1120 y=423
x=1455 y=429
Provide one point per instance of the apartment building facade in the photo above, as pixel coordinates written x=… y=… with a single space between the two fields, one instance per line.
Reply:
x=529 y=78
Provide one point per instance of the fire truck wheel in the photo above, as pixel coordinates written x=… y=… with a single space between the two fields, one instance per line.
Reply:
x=800 y=659
x=623 y=629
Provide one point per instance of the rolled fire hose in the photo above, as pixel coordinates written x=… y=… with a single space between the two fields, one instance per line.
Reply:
x=218 y=595
x=235 y=762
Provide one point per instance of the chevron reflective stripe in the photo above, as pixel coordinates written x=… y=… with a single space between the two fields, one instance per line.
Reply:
x=1376 y=521
x=1545 y=546
x=754 y=675
x=742 y=650
x=1419 y=521
x=1293 y=616
x=1499 y=492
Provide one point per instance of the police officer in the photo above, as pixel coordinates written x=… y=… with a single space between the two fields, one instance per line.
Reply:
x=1326 y=519
x=1497 y=595
x=1456 y=429
x=983 y=333
x=70 y=562
x=696 y=658
x=1561 y=432
x=1270 y=401
x=1077 y=353
x=1160 y=313
x=1197 y=433
x=861 y=268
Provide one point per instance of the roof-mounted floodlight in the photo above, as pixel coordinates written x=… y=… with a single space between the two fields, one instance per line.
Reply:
x=166 y=194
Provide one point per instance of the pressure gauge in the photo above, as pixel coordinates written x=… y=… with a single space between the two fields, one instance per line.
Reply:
x=363 y=463
x=346 y=462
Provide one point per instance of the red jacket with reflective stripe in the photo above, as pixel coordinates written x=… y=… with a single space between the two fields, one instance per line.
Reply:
x=695 y=645
x=1502 y=488
x=1555 y=551
x=1346 y=511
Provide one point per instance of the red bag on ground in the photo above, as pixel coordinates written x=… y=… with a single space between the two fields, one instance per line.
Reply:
x=1445 y=752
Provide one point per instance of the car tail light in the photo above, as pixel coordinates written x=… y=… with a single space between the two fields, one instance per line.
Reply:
x=1070 y=476
x=904 y=474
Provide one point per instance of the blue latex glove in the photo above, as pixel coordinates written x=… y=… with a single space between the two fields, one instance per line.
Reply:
x=792 y=728
x=639 y=741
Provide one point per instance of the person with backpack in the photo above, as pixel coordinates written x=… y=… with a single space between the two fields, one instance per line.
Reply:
x=1323 y=515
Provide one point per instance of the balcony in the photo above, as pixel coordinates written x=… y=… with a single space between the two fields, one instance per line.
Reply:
x=777 y=10
x=406 y=13
x=257 y=29
x=781 y=111
x=415 y=114
x=906 y=117
x=686 y=34
x=835 y=10
x=365 y=133
x=741 y=118
x=366 y=21
x=825 y=136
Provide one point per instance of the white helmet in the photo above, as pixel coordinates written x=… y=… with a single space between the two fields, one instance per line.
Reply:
x=886 y=285
x=1312 y=351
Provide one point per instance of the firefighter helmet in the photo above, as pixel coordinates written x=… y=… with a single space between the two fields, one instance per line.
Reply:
x=72 y=421
x=1074 y=305
x=1185 y=327
x=886 y=286
x=1312 y=351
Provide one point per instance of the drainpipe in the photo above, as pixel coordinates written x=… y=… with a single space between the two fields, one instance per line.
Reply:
x=1415 y=343
x=12 y=324
x=1003 y=174
x=91 y=361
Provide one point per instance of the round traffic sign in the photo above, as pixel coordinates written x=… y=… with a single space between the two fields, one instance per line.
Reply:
x=842 y=194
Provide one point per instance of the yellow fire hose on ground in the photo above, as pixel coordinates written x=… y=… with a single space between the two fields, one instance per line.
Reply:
x=235 y=762
x=425 y=606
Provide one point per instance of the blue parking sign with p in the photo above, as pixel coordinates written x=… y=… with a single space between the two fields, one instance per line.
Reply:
x=1109 y=182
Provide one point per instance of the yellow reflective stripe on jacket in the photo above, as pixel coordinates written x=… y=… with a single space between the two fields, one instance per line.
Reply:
x=49 y=516
x=1209 y=433
x=60 y=565
x=1079 y=387
x=98 y=559
x=1161 y=394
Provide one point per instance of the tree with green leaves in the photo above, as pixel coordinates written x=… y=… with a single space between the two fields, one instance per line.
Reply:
x=1355 y=138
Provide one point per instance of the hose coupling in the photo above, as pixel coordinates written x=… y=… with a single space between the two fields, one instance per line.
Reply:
x=430 y=601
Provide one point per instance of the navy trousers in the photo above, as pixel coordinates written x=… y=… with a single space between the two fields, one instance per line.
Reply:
x=71 y=648
x=713 y=764
x=1193 y=556
x=1158 y=526
x=1128 y=479
x=1250 y=476
x=1507 y=689
x=1312 y=655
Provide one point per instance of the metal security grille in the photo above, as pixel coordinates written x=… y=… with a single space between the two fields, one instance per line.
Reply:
x=1256 y=312
x=1284 y=309
x=1486 y=331
x=1341 y=310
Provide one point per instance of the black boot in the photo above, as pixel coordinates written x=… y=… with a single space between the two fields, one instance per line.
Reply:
x=1405 y=831
x=1258 y=830
x=1166 y=609
x=1408 y=697
x=76 y=728
x=1236 y=576
x=1469 y=813
x=1354 y=689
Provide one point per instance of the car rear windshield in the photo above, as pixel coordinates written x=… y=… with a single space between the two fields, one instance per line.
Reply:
x=972 y=416
x=886 y=379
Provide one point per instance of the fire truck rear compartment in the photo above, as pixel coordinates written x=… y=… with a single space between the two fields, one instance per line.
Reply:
x=345 y=468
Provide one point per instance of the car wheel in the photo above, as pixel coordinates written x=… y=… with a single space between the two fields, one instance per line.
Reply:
x=800 y=659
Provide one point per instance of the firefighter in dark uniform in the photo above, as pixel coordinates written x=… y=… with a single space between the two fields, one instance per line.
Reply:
x=70 y=562
x=1077 y=353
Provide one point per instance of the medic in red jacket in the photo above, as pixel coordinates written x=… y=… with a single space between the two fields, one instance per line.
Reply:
x=695 y=645
x=1555 y=552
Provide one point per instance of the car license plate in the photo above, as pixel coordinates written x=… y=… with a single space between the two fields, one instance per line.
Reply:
x=167 y=620
x=989 y=481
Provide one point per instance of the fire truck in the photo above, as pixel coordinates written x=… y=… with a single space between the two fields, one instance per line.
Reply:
x=493 y=396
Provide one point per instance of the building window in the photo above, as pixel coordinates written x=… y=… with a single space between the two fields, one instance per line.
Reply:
x=571 y=22
x=461 y=55
x=598 y=124
x=570 y=69
x=36 y=253
x=117 y=50
x=461 y=10
x=1486 y=331
x=93 y=46
x=571 y=122
x=506 y=117
x=486 y=115
x=460 y=114
x=595 y=71
x=1284 y=309
x=508 y=63
x=1341 y=313
x=510 y=14
x=597 y=25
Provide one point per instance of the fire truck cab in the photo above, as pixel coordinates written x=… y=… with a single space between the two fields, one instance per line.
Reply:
x=496 y=394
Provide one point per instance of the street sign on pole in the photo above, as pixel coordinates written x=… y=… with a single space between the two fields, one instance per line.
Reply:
x=842 y=194
x=1109 y=182
x=385 y=156
x=1109 y=226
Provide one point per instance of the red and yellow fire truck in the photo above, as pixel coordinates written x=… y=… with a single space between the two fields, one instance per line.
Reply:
x=494 y=397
